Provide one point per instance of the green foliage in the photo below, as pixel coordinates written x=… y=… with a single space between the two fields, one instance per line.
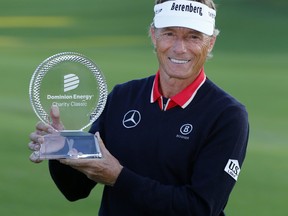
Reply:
x=250 y=62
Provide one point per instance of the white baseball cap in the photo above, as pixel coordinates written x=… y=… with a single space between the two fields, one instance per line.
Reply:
x=184 y=13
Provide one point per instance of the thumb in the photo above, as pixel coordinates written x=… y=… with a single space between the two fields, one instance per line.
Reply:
x=101 y=143
x=55 y=117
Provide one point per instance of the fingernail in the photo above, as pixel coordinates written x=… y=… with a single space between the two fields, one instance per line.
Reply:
x=40 y=140
x=55 y=110
x=36 y=147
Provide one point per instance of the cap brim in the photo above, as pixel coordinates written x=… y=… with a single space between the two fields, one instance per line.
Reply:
x=172 y=21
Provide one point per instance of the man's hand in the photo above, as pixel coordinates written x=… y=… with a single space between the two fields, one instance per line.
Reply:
x=37 y=137
x=104 y=170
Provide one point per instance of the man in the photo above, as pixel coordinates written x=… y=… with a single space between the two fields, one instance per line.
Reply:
x=173 y=143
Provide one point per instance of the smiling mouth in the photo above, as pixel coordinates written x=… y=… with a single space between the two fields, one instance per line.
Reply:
x=178 y=61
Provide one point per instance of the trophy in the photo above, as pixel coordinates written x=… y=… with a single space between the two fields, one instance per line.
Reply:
x=74 y=84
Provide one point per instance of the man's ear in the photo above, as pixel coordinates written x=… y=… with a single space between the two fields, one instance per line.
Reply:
x=212 y=43
x=152 y=35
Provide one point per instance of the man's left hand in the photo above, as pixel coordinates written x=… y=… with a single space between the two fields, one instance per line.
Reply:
x=104 y=170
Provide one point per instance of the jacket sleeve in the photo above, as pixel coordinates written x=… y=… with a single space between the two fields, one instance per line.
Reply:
x=211 y=181
x=73 y=184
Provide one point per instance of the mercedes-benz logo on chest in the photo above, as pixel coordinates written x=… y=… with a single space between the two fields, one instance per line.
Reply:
x=131 y=119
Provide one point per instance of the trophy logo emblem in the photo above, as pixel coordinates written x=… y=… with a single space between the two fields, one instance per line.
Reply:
x=71 y=81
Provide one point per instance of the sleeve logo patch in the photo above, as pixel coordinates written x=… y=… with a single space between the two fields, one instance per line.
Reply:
x=233 y=169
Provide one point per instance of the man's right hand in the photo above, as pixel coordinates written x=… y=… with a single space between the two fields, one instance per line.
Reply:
x=37 y=137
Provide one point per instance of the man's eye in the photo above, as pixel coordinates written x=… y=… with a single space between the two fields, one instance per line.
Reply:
x=169 y=34
x=194 y=37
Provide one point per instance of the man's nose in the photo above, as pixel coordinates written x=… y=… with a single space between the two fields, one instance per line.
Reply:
x=180 y=45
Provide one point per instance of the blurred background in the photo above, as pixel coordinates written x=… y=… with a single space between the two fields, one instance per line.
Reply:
x=250 y=62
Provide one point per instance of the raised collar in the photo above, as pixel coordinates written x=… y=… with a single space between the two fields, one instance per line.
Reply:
x=182 y=99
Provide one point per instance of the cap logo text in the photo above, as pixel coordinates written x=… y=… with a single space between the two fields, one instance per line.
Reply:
x=188 y=8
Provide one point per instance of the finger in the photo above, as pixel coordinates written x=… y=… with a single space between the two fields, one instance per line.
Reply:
x=36 y=138
x=55 y=117
x=74 y=162
x=42 y=128
x=35 y=157
x=34 y=146
x=66 y=162
x=100 y=141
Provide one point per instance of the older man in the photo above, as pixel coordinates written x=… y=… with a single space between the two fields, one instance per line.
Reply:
x=172 y=143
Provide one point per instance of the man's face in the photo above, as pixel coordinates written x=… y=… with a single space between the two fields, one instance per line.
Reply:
x=181 y=51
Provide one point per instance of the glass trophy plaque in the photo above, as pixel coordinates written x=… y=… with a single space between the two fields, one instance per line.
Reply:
x=74 y=84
